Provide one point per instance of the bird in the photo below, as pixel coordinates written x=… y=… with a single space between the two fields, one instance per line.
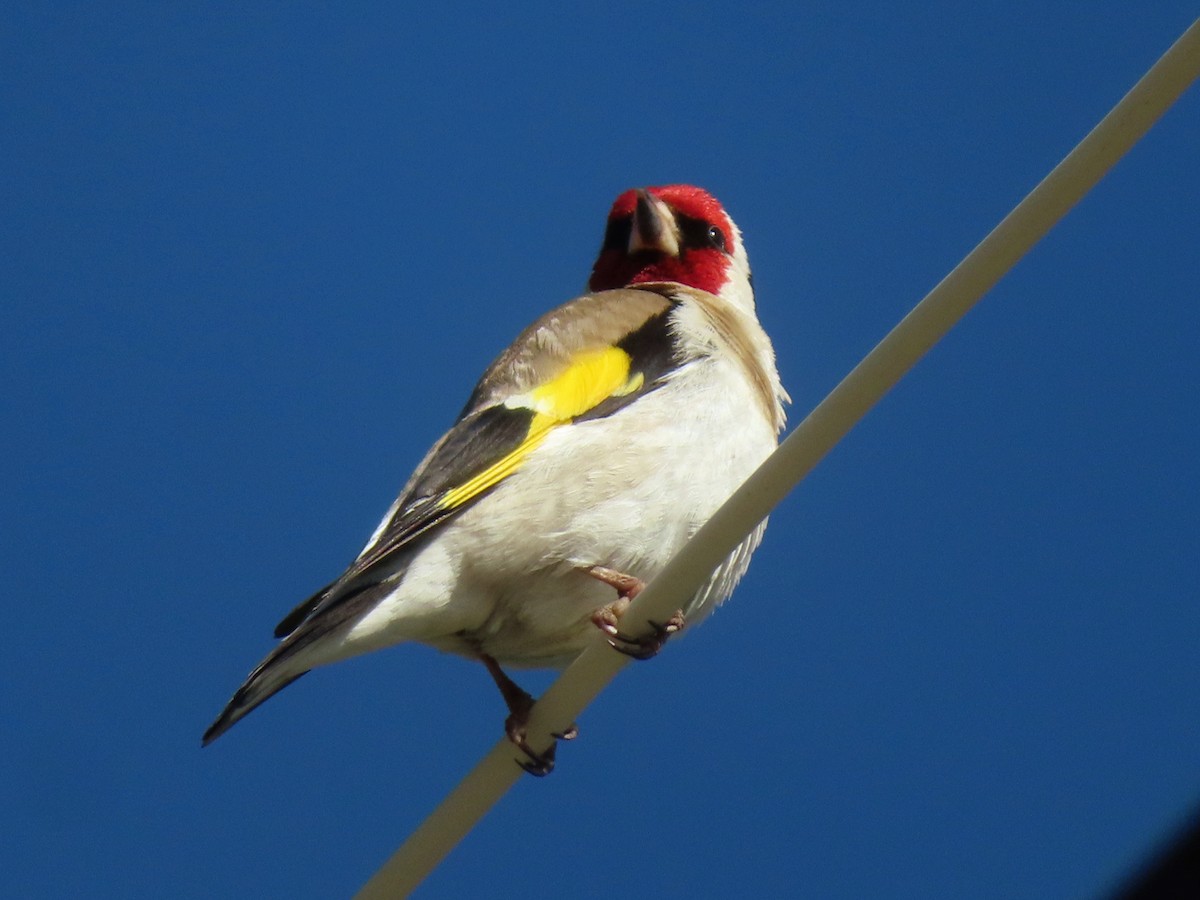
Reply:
x=587 y=454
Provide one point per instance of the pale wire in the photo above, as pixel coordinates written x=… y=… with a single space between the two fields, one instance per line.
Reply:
x=805 y=447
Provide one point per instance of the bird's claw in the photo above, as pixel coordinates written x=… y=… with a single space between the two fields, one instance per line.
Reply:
x=567 y=734
x=539 y=764
x=644 y=647
x=520 y=704
x=606 y=618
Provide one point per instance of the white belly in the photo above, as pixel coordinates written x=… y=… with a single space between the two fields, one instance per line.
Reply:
x=506 y=576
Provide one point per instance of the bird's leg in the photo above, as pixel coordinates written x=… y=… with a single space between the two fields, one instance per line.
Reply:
x=519 y=703
x=607 y=617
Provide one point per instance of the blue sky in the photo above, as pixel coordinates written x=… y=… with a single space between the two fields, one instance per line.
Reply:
x=254 y=261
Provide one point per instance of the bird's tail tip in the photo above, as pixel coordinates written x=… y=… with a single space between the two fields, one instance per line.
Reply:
x=247 y=698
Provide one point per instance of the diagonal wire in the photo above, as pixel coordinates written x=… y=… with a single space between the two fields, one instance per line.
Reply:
x=879 y=371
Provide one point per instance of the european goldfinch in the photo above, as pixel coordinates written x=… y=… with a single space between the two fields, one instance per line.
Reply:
x=588 y=453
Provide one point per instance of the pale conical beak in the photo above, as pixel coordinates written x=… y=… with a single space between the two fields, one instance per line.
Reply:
x=654 y=227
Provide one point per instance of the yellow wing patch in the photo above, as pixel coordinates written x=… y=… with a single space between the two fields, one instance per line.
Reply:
x=590 y=379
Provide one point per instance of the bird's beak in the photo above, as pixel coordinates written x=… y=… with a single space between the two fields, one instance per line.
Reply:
x=654 y=226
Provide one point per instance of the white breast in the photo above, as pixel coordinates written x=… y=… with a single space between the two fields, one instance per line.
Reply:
x=507 y=576
x=623 y=492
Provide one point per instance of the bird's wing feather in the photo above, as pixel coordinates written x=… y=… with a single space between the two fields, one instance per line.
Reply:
x=584 y=360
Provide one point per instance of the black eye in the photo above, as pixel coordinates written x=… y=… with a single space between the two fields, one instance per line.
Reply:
x=697 y=234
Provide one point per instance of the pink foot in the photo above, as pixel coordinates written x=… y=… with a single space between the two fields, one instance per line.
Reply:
x=606 y=618
x=519 y=703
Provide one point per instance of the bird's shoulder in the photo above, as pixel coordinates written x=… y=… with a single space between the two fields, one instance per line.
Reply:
x=571 y=334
